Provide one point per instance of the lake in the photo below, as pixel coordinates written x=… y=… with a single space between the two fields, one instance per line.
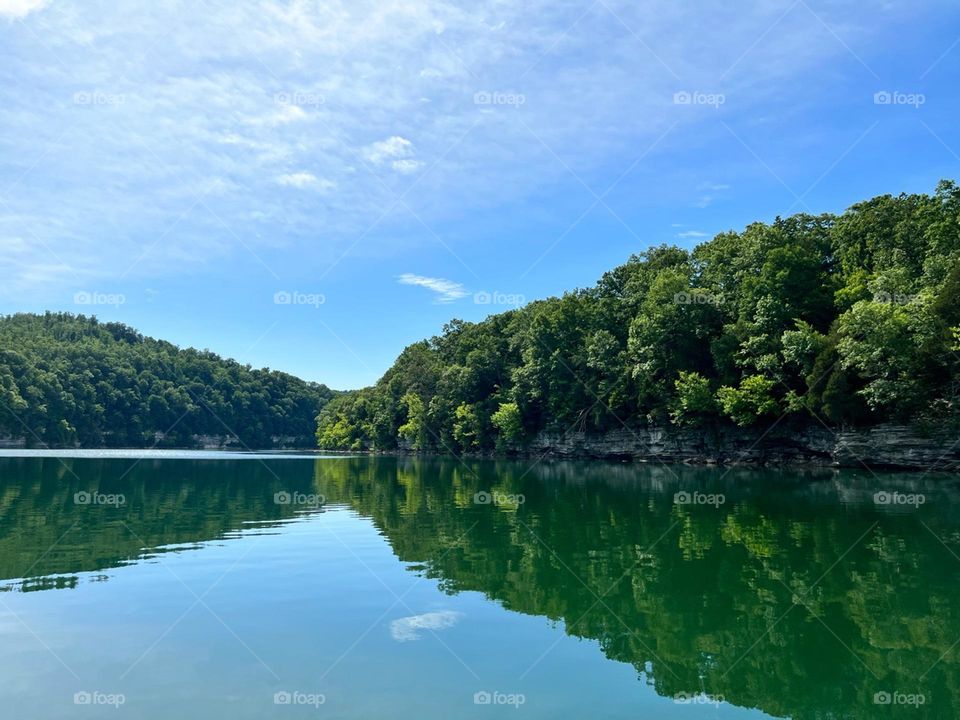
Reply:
x=219 y=585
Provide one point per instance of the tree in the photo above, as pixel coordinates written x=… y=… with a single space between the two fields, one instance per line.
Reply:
x=414 y=429
x=842 y=318
x=509 y=424
x=695 y=400
x=750 y=402
x=883 y=342
x=69 y=379
x=467 y=428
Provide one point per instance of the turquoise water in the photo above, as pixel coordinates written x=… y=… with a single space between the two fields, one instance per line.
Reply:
x=212 y=585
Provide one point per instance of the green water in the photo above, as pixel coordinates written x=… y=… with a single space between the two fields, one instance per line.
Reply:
x=218 y=586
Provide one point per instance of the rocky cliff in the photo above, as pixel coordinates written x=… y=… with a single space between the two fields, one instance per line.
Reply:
x=891 y=446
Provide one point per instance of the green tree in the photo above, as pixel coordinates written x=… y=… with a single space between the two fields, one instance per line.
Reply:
x=414 y=429
x=695 y=401
x=750 y=402
x=509 y=424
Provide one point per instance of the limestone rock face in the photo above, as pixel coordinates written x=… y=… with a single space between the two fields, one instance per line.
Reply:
x=892 y=446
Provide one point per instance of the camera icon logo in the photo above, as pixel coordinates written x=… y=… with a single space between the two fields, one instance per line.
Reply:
x=883 y=97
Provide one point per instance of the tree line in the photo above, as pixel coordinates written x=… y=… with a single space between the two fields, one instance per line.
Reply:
x=72 y=380
x=846 y=320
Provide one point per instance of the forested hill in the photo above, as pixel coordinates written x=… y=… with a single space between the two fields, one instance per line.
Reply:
x=848 y=320
x=69 y=379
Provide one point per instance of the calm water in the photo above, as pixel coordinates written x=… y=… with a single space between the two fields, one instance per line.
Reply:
x=218 y=586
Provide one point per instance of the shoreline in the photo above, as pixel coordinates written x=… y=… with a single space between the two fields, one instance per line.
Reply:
x=881 y=447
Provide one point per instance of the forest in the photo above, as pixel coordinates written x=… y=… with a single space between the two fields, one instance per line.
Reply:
x=846 y=320
x=70 y=380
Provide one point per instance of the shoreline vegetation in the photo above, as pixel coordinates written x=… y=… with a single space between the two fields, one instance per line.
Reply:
x=73 y=381
x=812 y=340
x=816 y=326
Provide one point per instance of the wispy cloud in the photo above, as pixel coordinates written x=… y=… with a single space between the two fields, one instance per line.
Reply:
x=19 y=8
x=304 y=179
x=690 y=234
x=396 y=151
x=710 y=192
x=447 y=290
x=111 y=150
x=284 y=116
x=410 y=628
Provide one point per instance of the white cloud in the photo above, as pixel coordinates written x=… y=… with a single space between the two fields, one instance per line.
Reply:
x=284 y=116
x=19 y=8
x=409 y=628
x=305 y=179
x=397 y=151
x=447 y=290
x=710 y=191
x=11 y=245
x=92 y=187
x=393 y=148
x=687 y=234
x=406 y=167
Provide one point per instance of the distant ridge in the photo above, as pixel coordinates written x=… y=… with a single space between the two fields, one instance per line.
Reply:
x=70 y=380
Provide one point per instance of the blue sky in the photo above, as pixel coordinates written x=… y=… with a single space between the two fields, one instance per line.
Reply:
x=312 y=185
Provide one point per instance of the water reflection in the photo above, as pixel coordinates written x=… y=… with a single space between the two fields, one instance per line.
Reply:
x=804 y=594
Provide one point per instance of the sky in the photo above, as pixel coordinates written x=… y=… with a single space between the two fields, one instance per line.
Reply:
x=312 y=185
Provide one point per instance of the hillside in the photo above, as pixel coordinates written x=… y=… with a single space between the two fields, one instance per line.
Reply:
x=847 y=321
x=71 y=380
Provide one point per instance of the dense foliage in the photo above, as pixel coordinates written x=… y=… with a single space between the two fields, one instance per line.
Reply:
x=844 y=320
x=67 y=379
